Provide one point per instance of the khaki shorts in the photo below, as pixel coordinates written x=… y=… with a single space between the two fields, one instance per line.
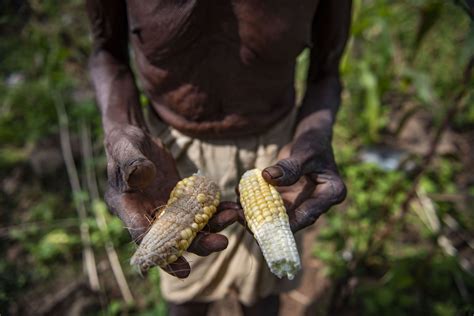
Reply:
x=241 y=267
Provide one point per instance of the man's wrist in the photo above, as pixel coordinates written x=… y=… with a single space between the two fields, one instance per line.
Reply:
x=321 y=99
x=111 y=126
x=313 y=136
x=319 y=124
x=115 y=119
x=319 y=108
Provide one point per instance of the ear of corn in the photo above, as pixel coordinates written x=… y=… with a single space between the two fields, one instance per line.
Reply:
x=192 y=203
x=267 y=219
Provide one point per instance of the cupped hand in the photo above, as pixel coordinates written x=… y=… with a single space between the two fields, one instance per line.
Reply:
x=141 y=175
x=306 y=175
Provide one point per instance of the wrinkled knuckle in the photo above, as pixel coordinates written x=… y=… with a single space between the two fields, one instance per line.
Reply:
x=291 y=167
x=339 y=190
x=114 y=177
x=310 y=216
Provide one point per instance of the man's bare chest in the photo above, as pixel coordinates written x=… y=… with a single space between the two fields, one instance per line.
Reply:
x=255 y=31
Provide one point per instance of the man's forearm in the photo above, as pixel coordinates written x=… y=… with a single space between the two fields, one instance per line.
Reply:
x=320 y=105
x=330 y=31
x=117 y=94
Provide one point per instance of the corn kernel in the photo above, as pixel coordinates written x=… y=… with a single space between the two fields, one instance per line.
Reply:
x=198 y=218
x=183 y=243
x=201 y=198
x=172 y=258
x=267 y=219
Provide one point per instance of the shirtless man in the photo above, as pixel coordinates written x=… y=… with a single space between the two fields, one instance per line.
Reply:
x=217 y=71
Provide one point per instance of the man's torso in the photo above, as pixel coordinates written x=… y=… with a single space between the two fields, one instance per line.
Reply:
x=218 y=68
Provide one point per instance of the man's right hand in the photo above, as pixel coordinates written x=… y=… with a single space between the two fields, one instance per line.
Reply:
x=141 y=175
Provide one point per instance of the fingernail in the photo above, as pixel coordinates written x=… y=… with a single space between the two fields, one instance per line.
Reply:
x=139 y=174
x=274 y=172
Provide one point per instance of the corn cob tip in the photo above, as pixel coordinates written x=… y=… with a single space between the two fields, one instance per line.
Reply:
x=285 y=268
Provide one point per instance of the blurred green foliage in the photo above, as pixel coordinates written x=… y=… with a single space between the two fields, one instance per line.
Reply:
x=399 y=52
x=414 y=51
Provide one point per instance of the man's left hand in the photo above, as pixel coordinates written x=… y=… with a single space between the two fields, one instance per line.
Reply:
x=306 y=176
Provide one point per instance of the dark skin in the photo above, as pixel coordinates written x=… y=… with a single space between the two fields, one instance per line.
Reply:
x=217 y=69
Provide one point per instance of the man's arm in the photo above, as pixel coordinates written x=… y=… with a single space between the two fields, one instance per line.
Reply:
x=141 y=172
x=113 y=79
x=129 y=150
x=330 y=31
x=308 y=173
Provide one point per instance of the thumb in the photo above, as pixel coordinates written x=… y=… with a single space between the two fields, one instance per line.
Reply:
x=126 y=149
x=284 y=173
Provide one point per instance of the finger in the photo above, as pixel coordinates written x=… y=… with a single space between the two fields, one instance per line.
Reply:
x=222 y=219
x=227 y=205
x=126 y=148
x=205 y=243
x=138 y=173
x=180 y=268
x=136 y=222
x=284 y=173
x=231 y=212
x=329 y=191
x=227 y=213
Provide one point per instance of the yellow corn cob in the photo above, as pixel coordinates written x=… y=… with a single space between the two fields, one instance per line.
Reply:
x=192 y=203
x=267 y=219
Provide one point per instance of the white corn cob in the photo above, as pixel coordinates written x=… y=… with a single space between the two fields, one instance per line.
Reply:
x=267 y=219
